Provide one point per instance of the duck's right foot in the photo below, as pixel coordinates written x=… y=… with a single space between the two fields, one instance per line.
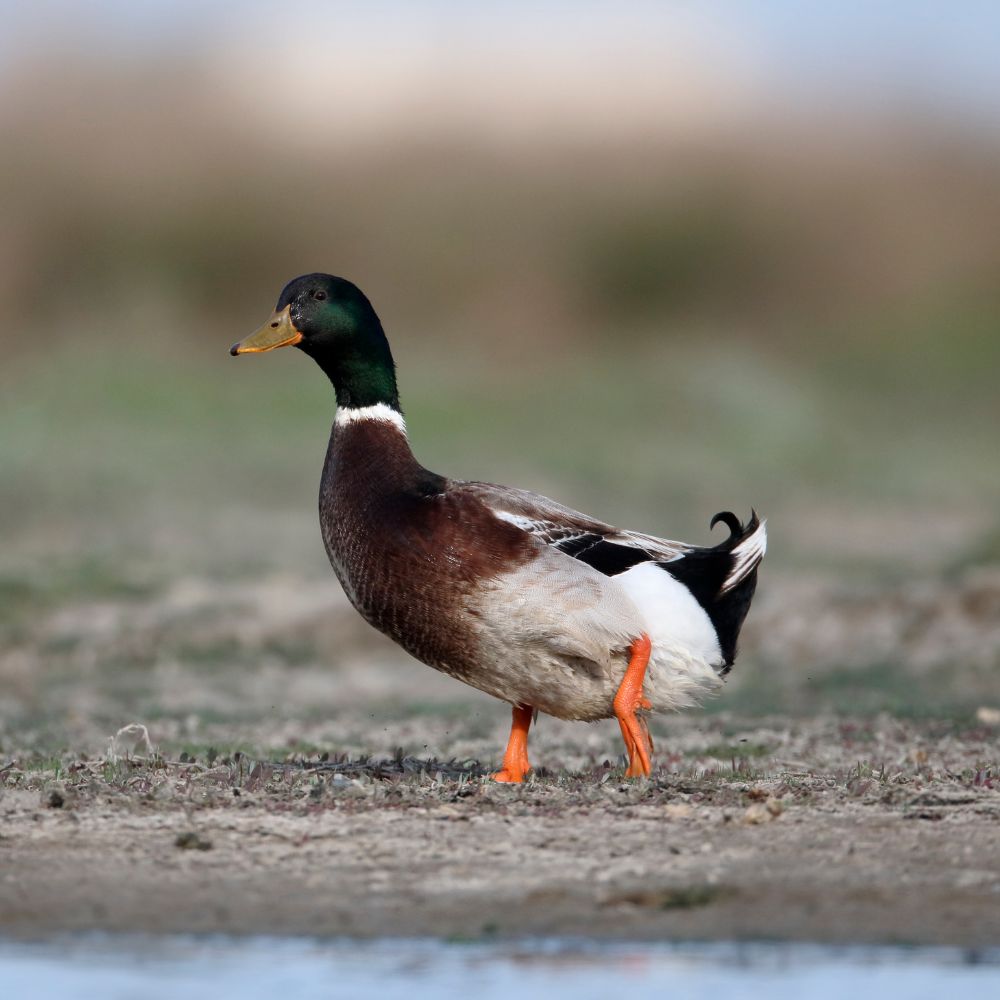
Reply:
x=515 y=759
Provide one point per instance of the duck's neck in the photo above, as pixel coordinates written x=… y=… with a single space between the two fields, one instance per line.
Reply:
x=362 y=370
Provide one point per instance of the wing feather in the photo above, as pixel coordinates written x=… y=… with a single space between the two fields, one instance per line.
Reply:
x=595 y=542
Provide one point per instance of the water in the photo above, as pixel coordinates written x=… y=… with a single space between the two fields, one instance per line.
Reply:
x=129 y=968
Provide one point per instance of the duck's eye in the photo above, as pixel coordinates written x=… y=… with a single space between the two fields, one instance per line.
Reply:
x=319 y=294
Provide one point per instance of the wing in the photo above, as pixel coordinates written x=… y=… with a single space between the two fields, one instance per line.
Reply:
x=602 y=546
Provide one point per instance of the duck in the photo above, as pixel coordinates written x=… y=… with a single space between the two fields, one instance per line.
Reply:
x=545 y=608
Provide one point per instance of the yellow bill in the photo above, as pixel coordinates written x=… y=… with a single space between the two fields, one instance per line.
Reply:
x=278 y=331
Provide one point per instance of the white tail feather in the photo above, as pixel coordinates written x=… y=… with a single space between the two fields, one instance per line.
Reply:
x=747 y=556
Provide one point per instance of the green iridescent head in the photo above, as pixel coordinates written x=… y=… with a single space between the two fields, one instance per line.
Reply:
x=332 y=321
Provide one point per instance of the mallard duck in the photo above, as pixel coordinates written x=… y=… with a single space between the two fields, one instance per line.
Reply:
x=530 y=601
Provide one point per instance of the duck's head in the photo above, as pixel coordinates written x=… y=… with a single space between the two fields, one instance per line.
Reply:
x=332 y=321
x=314 y=312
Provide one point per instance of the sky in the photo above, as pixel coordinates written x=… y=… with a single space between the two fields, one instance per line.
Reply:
x=945 y=56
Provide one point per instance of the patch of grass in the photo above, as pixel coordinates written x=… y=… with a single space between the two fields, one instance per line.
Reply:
x=739 y=769
x=293 y=651
x=16 y=596
x=42 y=763
x=208 y=753
x=985 y=551
x=733 y=751
x=150 y=710
x=690 y=897
x=214 y=652
x=88 y=578
x=983 y=775
x=863 y=775
x=289 y=651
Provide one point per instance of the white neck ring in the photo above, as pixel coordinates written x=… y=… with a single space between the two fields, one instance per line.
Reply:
x=380 y=411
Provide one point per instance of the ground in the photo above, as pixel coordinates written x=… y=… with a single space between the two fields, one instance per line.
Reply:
x=802 y=829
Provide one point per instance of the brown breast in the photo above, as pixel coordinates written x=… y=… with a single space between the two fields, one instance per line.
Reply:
x=408 y=551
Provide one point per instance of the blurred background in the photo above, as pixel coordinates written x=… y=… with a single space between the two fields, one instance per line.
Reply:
x=653 y=261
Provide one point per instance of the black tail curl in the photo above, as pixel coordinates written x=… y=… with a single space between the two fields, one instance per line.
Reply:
x=737 y=530
x=731 y=521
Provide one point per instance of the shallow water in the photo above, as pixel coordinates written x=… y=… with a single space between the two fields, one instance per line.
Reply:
x=265 y=967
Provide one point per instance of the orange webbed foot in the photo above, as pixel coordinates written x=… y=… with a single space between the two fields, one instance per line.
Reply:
x=515 y=760
x=512 y=777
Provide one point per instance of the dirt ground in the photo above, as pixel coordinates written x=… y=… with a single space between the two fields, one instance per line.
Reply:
x=822 y=830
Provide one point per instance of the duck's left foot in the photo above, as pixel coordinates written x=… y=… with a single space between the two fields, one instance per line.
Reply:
x=515 y=760
x=635 y=732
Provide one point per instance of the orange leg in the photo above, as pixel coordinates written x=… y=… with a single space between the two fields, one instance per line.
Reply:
x=515 y=760
x=627 y=700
